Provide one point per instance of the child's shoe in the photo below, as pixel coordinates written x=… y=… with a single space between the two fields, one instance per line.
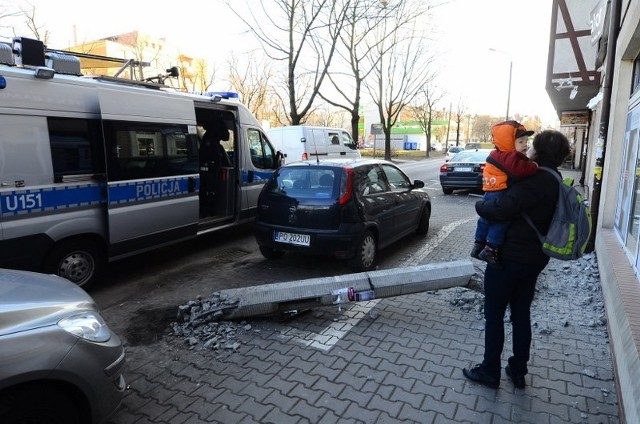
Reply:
x=477 y=248
x=489 y=255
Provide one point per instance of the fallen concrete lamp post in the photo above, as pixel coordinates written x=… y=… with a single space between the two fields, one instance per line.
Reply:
x=294 y=296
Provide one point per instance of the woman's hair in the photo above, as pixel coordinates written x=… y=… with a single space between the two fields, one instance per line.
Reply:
x=551 y=146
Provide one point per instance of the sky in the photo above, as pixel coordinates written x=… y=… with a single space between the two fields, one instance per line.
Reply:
x=465 y=31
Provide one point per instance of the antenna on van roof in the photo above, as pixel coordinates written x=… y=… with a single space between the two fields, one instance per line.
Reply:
x=315 y=148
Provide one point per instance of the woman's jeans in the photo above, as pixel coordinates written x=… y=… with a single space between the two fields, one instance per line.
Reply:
x=512 y=285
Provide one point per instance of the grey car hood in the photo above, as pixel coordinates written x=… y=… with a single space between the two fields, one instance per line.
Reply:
x=30 y=300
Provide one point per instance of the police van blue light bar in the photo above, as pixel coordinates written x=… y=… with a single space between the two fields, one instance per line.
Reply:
x=224 y=94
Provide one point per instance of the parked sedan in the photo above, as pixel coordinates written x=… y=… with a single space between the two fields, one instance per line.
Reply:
x=59 y=362
x=464 y=171
x=348 y=209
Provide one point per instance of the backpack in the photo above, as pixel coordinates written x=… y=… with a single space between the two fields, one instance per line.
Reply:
x=570 y=226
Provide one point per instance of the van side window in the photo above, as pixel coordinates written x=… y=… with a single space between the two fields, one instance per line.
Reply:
x=263 y=155
x=333 y=138
x=137 y=150
x=74 y=147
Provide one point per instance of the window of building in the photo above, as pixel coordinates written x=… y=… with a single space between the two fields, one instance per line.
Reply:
x=635 y=81
x=627 y=217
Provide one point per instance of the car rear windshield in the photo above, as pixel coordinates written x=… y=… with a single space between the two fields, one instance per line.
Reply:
x=307 y=182
x=471 y=156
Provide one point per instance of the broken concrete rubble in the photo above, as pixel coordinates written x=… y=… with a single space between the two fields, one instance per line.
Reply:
x=200 y=321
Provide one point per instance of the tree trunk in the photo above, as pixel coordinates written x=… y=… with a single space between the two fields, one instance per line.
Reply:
x=387 y=143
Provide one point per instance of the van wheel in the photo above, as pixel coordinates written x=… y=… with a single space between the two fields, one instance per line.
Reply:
x=447 y=190
x=79 y=261
x=270 y=253
x=365 y=257
x=423 y=225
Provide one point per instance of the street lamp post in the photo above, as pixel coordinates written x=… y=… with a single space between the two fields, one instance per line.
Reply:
x=510 y=73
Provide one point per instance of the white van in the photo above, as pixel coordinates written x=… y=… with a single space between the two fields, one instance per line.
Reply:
x=304 y=142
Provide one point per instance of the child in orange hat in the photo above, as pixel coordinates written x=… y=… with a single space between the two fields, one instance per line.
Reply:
x=505 y=164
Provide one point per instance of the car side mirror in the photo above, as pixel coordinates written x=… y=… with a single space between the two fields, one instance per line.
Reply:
x=418 y=184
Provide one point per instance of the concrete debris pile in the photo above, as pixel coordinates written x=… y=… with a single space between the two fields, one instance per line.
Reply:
x=467 y=300
x=198 y=324
x=578 y=280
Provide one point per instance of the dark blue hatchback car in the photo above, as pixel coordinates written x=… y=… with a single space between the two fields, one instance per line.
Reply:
x=343 y=208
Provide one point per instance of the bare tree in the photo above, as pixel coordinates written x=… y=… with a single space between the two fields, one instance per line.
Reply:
x=461 y=109
x=33 y=28
x=143 y=49
x=7 y=12
x=362 y=17
x=482 y=127
x=325 y=116
x=195 y=74
x=31 y=21
x=533 y=123
x=401 y=68
x=299 y=33
x=424 y=110
x=253 y=84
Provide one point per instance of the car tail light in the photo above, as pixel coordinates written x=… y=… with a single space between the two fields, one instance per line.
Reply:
x=305 y=156
x=346 y=182
x=443 y=168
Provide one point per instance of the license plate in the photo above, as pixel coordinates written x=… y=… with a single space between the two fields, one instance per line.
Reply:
x=292 y=238
x=463 y=169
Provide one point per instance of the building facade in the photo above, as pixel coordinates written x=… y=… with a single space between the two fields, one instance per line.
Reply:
x=593 y=80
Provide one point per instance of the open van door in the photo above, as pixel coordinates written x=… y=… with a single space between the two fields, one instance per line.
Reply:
x=151 y=148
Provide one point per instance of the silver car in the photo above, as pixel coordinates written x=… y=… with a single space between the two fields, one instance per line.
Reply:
x=59 y=362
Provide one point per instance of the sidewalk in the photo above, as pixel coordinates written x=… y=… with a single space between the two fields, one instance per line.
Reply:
x=387 y=361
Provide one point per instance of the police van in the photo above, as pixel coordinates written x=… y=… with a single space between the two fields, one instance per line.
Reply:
x=95 y=169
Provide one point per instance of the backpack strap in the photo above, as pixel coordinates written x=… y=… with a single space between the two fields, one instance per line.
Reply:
x=526 y=215
x=552 y=172
x=498 y=165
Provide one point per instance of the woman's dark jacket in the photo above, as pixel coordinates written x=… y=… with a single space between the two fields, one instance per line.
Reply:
x=537 y=196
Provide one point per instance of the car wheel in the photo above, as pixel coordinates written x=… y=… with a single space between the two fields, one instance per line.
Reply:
x=31 y=404
x=423 y=225
x=270 y=253
x=365 y=257
x=79 y=261
x=447 y=190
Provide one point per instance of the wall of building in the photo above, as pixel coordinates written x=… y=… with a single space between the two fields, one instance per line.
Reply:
x=617 y=262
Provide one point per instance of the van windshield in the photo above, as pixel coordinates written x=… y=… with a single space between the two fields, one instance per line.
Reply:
x=348 y=141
